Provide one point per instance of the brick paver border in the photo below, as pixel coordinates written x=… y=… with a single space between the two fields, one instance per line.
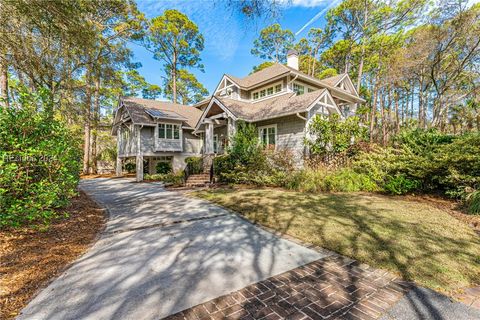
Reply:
x=334 y=287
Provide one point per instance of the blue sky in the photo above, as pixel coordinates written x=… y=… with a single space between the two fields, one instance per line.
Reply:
x=228 y=38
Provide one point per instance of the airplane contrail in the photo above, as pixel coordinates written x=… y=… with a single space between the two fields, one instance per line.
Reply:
x=317 y=16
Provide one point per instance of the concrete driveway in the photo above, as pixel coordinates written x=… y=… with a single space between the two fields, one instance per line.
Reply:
x=160 y=253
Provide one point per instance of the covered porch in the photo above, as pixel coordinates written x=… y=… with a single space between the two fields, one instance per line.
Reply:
x=216 y=126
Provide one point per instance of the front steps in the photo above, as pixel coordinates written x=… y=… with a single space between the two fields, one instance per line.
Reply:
x=198 y=180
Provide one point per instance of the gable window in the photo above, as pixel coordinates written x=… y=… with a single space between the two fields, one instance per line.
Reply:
x=310 y=90
x=168 y=131
x=275 y=88
x=268 y=135
x=298 y=89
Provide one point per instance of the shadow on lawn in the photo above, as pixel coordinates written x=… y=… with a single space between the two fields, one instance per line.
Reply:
x=152 y=272
x=432 y=253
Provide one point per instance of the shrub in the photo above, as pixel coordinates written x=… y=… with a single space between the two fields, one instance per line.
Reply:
x=171 y=178
x=245 y=149
x=163 y=167
x=195 y=164
x=377 y=164
x=473 y=202
x=400 y=184
x=332 y=135
x=130 y=167
x=342 y=180
x=39 y=162
x=223 y=165
x=347 y=180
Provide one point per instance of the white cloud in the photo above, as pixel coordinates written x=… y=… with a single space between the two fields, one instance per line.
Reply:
x=305 y=3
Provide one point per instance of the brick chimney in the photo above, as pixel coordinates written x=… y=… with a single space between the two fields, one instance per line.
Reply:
x=292 y=59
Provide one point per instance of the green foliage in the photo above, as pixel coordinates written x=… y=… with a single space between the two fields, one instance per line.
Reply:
x=130 y=167
x=189 y=89
x=262 y=66
x=333 y=135
x=273 y=43
x=173 y=179
x=426 y=160
x=317 y=180
x=245 y=149
x=400 y=184
x=327 y=73
x=39 y=162
x=177 y=41
x=223 y=165
x=163 y=167
x=473 y=202
x=195 y=164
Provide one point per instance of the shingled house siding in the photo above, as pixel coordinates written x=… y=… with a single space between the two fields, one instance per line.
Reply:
x=290 y=134
x=191 y=143
x=148 y=142
x=127 y=145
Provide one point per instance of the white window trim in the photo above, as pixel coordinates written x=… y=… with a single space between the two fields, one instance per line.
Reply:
x=173 y=124
x=265 y=88
x=158 y=139
x=305 y=87
x=266 y=127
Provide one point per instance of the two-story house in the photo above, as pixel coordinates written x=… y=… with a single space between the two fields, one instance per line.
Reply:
x=279 y=100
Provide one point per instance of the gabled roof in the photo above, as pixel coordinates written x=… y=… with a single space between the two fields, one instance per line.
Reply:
x=333 y=81
x=142 y=111
x=260 y=76
x=286 y=104
x=277 y=70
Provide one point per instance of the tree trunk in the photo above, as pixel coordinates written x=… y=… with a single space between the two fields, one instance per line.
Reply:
x=96 y=116
x=382 y=117
x=4 y=82
x=87 y=125
x=362 y=56
x=397 y=116
x=372 y=112
x=360 y=69
x=174 y=73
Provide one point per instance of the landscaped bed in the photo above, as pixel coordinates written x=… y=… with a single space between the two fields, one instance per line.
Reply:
x=31 y=257
x=416 y=240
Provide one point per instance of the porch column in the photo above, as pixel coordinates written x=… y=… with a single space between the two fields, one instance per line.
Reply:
x=208 y=138
x=139 y=168
x=118 y=168
x=139 y=157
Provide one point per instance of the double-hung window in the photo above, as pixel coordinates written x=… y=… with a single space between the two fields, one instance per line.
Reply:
x=168 y=131
x=266 y=92
x=268 y=135
x=299 y=89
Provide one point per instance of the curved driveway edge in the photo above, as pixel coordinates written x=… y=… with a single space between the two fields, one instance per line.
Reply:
x=161 y=253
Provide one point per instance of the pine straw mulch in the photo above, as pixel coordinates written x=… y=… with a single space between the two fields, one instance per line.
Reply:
x=31 y=257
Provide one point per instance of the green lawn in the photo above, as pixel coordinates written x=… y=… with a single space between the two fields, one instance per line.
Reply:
x=415 y=240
